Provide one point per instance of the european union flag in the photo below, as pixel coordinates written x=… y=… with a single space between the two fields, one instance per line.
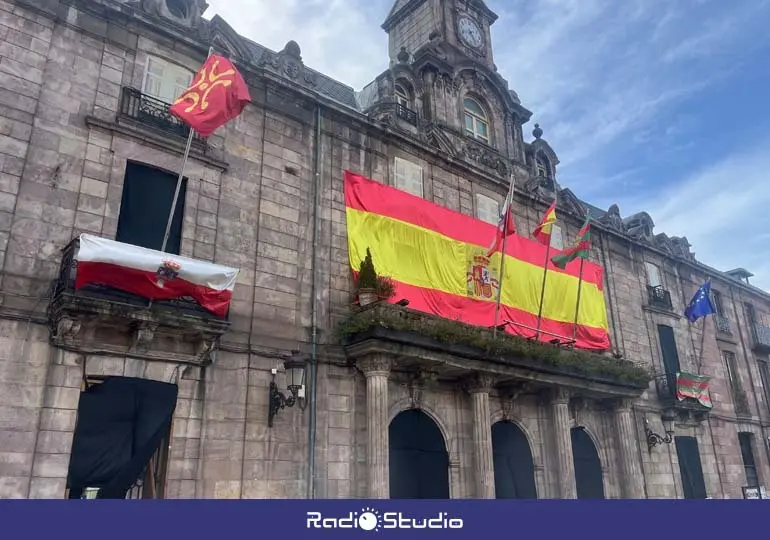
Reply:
x=700 y=305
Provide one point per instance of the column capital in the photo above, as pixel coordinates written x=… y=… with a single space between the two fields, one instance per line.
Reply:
x=623 y=405
x=561 y=396
x=480 y=383
x=374 y=365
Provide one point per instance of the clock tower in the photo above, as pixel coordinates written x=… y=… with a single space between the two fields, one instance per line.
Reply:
x=464 y=24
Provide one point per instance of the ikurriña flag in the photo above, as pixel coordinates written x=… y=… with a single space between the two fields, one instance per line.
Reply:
x=218 y=94
x=437 y=260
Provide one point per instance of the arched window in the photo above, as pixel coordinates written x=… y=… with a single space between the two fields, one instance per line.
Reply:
x=402 y=96
x=476 y=122
x=543 y=167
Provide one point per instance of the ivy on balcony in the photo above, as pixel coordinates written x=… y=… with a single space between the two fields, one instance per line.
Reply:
x=451 y=333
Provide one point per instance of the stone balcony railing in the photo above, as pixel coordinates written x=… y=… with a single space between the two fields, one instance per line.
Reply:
x=760 y=338
x=453 y=350
x=104 y=320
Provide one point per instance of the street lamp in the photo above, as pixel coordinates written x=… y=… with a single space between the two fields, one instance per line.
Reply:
x=653 y=439
x=294 y=367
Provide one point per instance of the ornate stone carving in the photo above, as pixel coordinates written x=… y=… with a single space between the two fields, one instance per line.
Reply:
x=640 y=226
x=480 y=382
x=374 y=365
x=613 y=220
x=446 y=84
x=681 y=247
x=67 y=329
x=143 y=336
x=417 y=383
x=486 y=157
x=186 y=12
x=541 y=186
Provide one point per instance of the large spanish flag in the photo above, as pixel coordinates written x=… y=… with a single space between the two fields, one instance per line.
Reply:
x=437 y=259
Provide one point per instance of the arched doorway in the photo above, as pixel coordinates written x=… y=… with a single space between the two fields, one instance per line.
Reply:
x=419 y=462
x=588 y=467
x=514 y=467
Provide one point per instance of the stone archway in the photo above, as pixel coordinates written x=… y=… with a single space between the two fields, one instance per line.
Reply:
x=514 y=466
x=589 y=479
x=419 y=461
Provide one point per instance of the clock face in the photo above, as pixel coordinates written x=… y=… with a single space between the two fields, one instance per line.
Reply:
x=470 y=33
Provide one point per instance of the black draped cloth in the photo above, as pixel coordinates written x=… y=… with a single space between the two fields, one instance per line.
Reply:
x=121 y=423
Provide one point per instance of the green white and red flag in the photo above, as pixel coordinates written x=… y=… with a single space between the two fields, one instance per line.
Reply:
x=689 y=385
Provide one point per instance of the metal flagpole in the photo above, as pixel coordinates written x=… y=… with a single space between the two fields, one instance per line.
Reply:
x=577 y=304
x=506 y=210
x=179 y=180
x=545 y=272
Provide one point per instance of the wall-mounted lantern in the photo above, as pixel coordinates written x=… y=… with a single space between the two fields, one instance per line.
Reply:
x=295 y=368
x=653 y=439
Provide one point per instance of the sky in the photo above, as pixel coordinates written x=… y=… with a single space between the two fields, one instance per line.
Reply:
x=655 y=105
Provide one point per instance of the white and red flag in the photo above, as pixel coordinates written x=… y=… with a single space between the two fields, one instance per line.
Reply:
x=153 y=274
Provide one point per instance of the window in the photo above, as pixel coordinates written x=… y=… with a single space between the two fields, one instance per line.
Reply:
x=178 y=8
x=732 y=372
x=557 y=238
x=716 y=296
x=402 y=97
x=164 y=80
x=764 y=374
x=747 y=453
x=476 y=123
x=144 y=209
x=543 y=170
x=487 y=209
x=690 y=468
x=668 y=349
x=751 y=314
x=653 y=275
x=408 y=177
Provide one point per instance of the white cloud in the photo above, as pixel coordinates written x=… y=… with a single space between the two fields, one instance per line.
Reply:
x=337 y=37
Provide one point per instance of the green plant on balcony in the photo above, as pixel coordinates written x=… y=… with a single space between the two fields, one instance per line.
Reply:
x=455 y=333
x=371 y=286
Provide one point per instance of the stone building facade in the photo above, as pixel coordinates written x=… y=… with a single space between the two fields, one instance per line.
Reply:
x=82 y=117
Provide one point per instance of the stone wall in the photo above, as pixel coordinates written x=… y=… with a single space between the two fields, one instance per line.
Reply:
x=249 y=204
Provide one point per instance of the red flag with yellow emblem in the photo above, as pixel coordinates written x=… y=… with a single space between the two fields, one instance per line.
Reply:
x=218 y=94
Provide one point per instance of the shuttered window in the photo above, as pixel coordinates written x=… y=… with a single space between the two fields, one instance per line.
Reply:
x=693 y=484
x=668 y=349
x=408 y=177
x=747 y=453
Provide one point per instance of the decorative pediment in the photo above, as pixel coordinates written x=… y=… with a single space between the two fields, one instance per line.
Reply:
x=681 y=247
x=288 y=63
x=640 y=226
x=183 y=12
x=438 y=138
x=613 y=220
x=225 y=40
x=663 y=242
x=568 y=201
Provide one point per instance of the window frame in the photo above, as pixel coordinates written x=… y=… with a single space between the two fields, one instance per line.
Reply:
x=490 y=204
x=557 y=237
x=716 y=299
x=476 y=121
x=403 y=97
x=747 y=438
x=647 y=267
x=405 y=182
x=169 y=70
x=730 y=359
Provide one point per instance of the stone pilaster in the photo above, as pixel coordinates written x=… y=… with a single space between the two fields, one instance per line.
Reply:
x=562 y=425
x=479 y=389
x=376 y=369
x=631 y=470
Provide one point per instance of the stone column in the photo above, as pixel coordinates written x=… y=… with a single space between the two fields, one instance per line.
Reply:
x=630 y=468
x=562 y=424
x=376 y=369
x=479 y=389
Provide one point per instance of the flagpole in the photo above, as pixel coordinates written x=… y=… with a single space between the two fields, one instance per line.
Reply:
x=506 y=211
x=577 y=304
x=179 y=180
x=545 y=271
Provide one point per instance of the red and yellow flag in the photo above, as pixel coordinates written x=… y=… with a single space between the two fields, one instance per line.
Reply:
x=543 y=231
x=438 y=261
x=218 y=94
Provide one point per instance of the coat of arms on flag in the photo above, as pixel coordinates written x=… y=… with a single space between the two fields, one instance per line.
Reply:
x=482 y=278
x=167 y=271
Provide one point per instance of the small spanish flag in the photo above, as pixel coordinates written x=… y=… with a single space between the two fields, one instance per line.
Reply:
x=543 y=231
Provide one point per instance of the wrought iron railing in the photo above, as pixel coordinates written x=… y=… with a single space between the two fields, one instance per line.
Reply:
x=724 y=325
x=65 y=285
x=760 y=335
x=665 y=384
x=659 y=297
x=153 y=112
x=406 y=114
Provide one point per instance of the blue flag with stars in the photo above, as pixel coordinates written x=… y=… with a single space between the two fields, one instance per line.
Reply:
x=700 y=305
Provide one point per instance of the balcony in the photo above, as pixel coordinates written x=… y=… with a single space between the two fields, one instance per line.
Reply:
x=666 y=386
x=658 y=297
x=99 y=319
x=724 y=326
x=406 y=114
x=760 y=338
x=453 y=351
x=153 y=113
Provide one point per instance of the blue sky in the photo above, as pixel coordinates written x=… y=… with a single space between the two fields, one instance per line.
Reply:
x=655 y=105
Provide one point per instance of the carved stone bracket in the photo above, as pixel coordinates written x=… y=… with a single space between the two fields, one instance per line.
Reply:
x=68 y=329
